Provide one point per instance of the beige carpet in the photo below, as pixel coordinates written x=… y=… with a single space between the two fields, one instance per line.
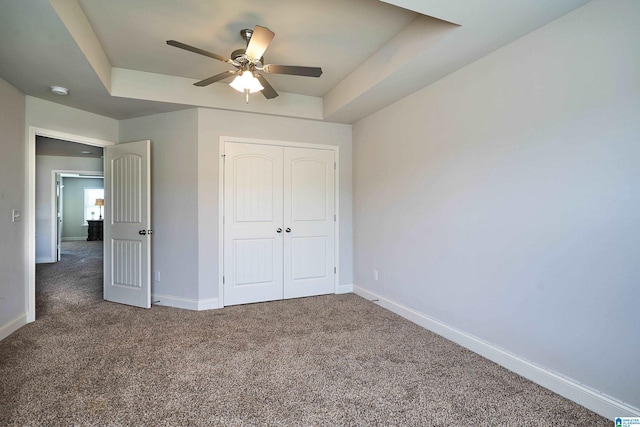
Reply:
x=329 y=360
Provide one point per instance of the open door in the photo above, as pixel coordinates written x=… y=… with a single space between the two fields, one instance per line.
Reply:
x=127 y=233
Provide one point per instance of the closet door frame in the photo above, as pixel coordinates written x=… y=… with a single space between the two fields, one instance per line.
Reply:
x=221 y=197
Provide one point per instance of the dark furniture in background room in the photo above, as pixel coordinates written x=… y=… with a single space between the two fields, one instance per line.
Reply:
x=95 y=229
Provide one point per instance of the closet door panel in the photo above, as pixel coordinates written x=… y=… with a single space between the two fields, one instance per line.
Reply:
x=253 y=247
x=309 y=208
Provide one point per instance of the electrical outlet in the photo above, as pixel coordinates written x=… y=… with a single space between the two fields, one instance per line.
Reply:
x=375 y=275
x=157 y=276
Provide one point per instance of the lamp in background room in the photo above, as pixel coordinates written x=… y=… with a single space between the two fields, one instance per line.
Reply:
x=100 y=202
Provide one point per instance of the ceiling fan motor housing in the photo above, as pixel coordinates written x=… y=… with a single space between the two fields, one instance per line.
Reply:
x=237 y=54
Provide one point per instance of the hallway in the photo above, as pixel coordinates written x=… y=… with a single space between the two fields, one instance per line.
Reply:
x=75 y=281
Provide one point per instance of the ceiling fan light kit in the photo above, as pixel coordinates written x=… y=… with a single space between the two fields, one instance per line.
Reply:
x=246 y=83
x=248 y=63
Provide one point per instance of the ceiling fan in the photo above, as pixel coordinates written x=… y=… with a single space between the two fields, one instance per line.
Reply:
x=249 y=62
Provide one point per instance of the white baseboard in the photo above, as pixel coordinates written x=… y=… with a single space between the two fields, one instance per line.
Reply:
x=598 y=402
x=45 y=260
x=14 y=325
x=208 y=304
x=185 y=303
x=344 y=289
x=73 y=239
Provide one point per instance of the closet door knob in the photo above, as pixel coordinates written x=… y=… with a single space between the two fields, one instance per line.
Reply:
x=279 y=230
x=288 y=230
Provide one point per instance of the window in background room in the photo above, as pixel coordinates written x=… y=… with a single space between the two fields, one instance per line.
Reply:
x=91 y=210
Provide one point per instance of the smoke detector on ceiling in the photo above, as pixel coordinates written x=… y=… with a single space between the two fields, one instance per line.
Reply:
x=59 y=90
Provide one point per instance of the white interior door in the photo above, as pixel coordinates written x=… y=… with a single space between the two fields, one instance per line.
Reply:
x=253 y=234
x=309 y=209
x=127 y=246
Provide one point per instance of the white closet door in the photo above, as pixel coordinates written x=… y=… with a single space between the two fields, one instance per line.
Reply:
x=309 y=209
x=252 y=217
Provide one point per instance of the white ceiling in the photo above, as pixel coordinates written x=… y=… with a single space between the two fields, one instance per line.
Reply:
x=337 y=35
x=113 y=57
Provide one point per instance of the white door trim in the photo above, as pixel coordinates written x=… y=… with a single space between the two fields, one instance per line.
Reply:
x=30 y=267
x=336 y=229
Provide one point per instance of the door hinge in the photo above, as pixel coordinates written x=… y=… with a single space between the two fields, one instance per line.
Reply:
x=334 y=166
x=335 y=270
x=224 y=158
x=334 y=217
x=223 y=219
x=223 y=280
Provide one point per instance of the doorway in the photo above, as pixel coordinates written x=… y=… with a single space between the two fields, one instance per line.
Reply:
x=69 y=182
x=79 y=202
x=48 y=250
x=80 y=167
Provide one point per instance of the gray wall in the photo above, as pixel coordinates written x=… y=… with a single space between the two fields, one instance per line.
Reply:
x=73 y=227
x=45 y=202
x=174 y=197
x=49 y=115
x=212 y=125
x=12 y=196
x=184 y=161
x=503 y=199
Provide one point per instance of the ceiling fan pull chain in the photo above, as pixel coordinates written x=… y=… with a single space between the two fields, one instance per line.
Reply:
x=246 y=93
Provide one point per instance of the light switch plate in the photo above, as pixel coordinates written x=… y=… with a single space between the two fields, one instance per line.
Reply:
x=16 y=215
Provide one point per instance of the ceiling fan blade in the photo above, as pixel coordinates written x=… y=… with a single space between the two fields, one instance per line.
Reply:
x=259 y=42
x=216 y=78
x=293 y=70
x=269 y=92
x=198 y=51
